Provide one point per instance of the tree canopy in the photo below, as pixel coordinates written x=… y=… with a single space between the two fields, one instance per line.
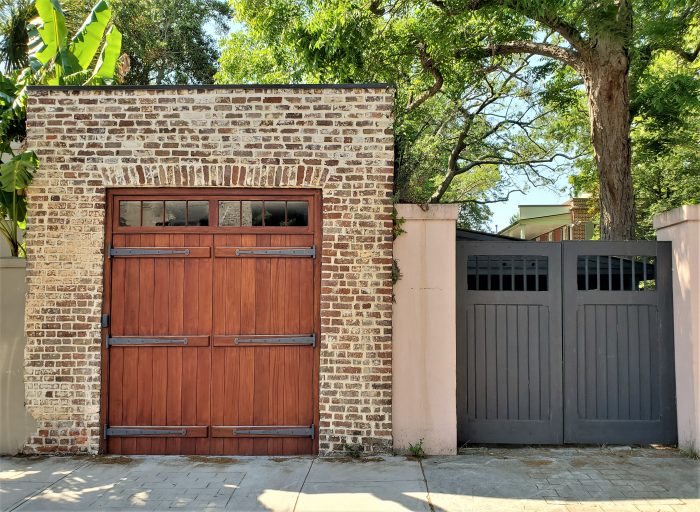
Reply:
x=579 y=70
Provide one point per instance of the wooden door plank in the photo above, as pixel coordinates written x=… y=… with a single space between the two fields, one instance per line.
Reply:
x=160 y=357
x=246 y=391
x=174 y=396
x=203 y=395
x=116 y=384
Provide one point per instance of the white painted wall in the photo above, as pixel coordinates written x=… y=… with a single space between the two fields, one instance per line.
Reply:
x=681 y=226
x=424 y=330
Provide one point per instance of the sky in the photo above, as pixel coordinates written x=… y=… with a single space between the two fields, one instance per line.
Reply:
x=502 y=212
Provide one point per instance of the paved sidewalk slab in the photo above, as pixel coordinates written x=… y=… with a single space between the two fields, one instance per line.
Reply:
x=478 y=480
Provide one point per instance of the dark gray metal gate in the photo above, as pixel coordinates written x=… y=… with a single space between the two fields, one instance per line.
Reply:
x=619 y=384
x=564 y=342
x=509 y=346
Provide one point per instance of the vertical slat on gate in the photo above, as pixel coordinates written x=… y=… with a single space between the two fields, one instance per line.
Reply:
x=276 y=404
x=480 y=329
x=204 y=356
x=292 y=354
x=491 y=370
x=581 y=360
x=306 y=367
x=219 y=403
x=612 y=361
x=601 y=362
x=263 y=303
x=635 y=382
x=534 y=360
x=131 y=323
x=471 y=362
x=624 y=363
x=523 y=367
x=544 y=381
x=654 y=362
x=513 y=371
x=176 y=302
x=592 y=383
x=644 y=363
x=190 y=356
x=116 y=357
x=247 y=354
x=502 y=361
x=146 y=286
x=160 y=356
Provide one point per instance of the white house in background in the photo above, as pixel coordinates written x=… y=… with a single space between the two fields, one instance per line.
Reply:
x=571 y=220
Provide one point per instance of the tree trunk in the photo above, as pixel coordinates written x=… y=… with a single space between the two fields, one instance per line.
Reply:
x=606 y=79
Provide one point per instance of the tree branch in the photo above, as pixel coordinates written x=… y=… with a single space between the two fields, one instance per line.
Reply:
x=428 y=65
x=569 y=57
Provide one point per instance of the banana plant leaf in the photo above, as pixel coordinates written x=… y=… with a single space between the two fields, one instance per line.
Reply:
x=17 y=174
x=86 y=41
x=106 y=64
x=54 y=34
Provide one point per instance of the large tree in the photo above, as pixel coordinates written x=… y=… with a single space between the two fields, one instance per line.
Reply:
x=598 y=40
x=465 y=132
x=606 y=44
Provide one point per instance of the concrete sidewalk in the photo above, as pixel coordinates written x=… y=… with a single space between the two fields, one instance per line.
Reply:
x=521 y=479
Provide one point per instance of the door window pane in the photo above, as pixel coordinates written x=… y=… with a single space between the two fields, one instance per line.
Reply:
x=197 y=213
x=129 y=213
x=297 y=213
x=152 y=213
x=229 y=213
x=175 y=213
x=251 y=213
x=274 y=213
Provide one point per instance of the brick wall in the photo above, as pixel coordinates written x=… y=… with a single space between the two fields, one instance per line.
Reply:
x=338 y=139
x=580 y=215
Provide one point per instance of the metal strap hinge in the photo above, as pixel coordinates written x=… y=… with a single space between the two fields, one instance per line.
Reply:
x=303 y=251
x=276 y=432
x=137 y=251
x=135 y=432
x=146 y=341
x=104 y=321
x=279 y=340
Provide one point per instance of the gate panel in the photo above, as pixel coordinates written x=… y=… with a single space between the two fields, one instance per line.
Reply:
x=618 y=343
x=509 y=342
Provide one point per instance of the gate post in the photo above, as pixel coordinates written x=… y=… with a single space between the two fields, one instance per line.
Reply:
x=681 y=226
x=424 y=330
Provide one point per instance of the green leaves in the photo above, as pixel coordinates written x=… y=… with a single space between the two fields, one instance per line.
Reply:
x=70 y=60
x=53 y=32
x=15 y=177
x=107 y=63
x=86 y=42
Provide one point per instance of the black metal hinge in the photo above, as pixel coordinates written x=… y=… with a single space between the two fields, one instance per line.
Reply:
x=104 y=321
x=303 y=251
x=146 y=341
x=278 y=340
x=276 y=432
x=134 y=251
x=136 y=432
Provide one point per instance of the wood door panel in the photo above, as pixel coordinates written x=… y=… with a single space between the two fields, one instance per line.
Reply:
x=209 y=297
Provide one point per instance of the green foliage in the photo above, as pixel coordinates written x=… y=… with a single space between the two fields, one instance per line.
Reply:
x=416 y=449
x=70 y=60
x=14 y=17
x=167 y=41
x=53 y=59
x=495 y=115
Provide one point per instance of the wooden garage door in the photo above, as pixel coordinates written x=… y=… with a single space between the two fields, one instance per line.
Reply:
x=211 y=346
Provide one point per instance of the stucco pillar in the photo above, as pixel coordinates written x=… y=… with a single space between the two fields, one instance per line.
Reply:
x=681 y=226
x=424 y=330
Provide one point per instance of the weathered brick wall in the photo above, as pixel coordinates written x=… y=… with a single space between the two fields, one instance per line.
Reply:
x=338 y=139
x=580 y=215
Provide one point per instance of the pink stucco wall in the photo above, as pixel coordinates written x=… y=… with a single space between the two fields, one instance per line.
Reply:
x=682 y=227
x=424 y=330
